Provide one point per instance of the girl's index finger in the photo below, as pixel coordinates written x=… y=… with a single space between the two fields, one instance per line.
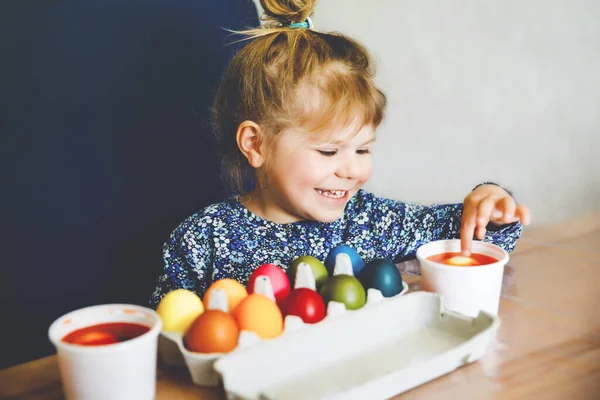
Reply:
x=467 y=230
x=466 y=241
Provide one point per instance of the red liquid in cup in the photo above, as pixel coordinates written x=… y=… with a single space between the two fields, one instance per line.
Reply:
x=478 y=259
x=103 y=334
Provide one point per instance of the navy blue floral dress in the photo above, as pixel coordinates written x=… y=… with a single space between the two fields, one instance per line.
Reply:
x=226 y=240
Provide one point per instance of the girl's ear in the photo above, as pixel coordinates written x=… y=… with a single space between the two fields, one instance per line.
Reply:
x=249 y=138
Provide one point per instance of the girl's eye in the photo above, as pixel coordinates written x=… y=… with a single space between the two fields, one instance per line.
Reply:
x=363 y=151
x=327 y=153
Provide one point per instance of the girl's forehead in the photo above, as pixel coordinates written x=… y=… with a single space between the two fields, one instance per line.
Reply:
x=345 y=135
x=330 y=116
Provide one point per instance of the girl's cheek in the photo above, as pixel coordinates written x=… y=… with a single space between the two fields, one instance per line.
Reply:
x=367 y=170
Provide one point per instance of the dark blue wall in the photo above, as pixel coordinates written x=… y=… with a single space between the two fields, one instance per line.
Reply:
x=105 y=147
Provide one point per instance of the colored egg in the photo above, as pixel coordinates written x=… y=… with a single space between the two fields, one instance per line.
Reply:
x=344 y=289
x=358 y=263
x=259 y=314
x=178 y=309
x=234 y=291
x=317 y=267
x=214 y=331
x=383 y=275
x=461 y=261
x=306 y=304
x=279 y=280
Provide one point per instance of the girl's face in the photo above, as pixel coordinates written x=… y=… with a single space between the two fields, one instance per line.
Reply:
x=313 y=179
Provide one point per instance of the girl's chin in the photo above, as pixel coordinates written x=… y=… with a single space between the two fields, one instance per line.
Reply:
x=328 y=216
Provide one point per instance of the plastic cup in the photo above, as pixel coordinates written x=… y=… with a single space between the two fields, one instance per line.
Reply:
x=125 y=370
x=464 y=289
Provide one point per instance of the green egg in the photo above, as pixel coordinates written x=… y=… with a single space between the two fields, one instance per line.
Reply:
x=317 y=267
x=344 y=289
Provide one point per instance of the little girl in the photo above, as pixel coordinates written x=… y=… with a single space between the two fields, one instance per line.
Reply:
x=296 y=116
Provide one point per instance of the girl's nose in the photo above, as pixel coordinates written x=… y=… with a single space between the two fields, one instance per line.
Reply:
x=349 y=167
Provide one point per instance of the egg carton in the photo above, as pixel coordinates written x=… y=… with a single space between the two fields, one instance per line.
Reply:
x=172 y=350
x=374 y=353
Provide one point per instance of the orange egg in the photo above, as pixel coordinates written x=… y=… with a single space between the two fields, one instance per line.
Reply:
x=259 y=314
x=234 y=290
x=214 y=331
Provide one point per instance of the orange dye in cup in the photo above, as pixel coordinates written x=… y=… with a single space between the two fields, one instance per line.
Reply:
x=107 y=333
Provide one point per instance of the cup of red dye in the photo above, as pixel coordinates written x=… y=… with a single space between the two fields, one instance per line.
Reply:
x=467 y=285
x=107 y=352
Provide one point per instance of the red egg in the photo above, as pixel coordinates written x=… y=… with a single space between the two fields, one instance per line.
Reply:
x=279 y=280
x=306 y=304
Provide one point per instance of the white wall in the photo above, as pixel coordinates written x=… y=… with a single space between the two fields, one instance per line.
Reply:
x=503 y=90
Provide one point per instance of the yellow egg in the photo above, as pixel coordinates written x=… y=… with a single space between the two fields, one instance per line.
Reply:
x=178 y=309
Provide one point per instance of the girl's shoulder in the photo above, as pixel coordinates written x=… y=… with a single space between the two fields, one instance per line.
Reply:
x=224 y=214
x=225 y=209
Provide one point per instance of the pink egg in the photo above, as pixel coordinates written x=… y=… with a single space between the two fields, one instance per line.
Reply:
x=279 y=280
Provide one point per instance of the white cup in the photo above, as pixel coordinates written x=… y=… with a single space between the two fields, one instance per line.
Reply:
x=467 y=289
x=125 y=370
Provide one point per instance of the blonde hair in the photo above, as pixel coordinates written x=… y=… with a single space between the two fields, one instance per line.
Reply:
x=292 y=77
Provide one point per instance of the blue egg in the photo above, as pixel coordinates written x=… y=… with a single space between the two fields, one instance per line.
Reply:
x=383 y=275
x=357 y=262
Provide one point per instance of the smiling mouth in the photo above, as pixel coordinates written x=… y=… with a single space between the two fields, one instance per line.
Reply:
x=332 y=194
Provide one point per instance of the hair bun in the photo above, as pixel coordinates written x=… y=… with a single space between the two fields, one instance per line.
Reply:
x=286 y=12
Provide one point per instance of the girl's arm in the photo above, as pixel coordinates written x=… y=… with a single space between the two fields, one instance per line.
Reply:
x=439 y=222
x=401 y=228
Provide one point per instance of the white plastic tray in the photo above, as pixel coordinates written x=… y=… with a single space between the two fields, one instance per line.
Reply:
x=372 y=353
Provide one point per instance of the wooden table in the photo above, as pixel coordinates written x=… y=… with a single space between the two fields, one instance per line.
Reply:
x=548 y=344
